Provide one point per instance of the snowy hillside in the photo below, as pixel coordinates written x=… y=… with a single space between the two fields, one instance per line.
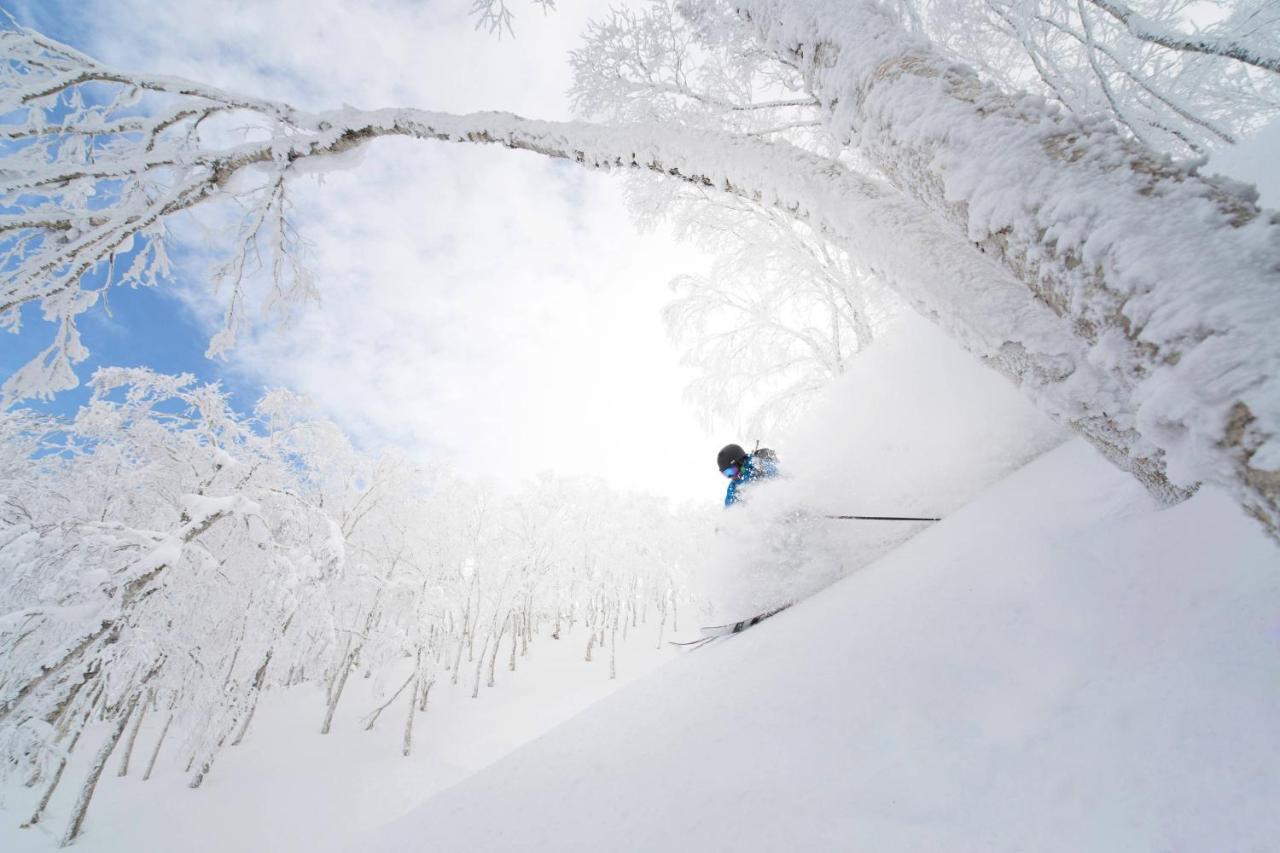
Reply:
x=1057 y=666
x=288 y=788
x=340 y=426
x=875 y=444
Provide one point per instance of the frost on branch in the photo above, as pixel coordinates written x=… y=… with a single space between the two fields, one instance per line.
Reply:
x=95 y=163
x=1171 y=85
x=496 y=15
x=657 y=64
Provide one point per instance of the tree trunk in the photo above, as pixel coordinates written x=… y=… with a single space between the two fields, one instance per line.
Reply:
x=497 y=643
x=231 y=668
x=426 y=692
x=255 y=691
x=155 y=752
x=205 y=768
x=46 y=796
x=515 y=642
x=340 y=683
x=457 y=660
x=133 y=738
x=62 y=765
x=373 y=717
x=248 y=718
x=406 y=745
x=65 y=712
x=76 y=823
x=475 y=689
x=337 y=673
x=613 y=650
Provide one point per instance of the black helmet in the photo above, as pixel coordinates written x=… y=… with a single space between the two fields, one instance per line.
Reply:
x=730 y=454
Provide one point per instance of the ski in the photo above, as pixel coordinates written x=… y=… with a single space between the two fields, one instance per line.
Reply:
x=715 y=632
x=691 y=644
x=739 y=627
x=882 y=518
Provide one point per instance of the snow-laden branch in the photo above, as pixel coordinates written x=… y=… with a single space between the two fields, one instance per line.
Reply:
x=1147 y=30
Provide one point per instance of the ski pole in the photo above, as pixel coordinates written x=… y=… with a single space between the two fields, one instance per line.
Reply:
x=880 y=518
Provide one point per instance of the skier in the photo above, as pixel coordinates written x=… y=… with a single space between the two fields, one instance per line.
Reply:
x=742 y=468
x=788 y=549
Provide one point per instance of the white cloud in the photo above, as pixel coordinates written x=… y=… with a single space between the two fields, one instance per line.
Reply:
x=484 y=303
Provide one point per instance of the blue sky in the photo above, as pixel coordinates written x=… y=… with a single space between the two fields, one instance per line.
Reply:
x=147 y=327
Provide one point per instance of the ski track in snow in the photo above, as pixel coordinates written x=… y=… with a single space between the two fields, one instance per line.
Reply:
x=1055 y=667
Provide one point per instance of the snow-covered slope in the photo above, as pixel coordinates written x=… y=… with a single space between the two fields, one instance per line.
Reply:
x=288 y=789
x=1057 y=666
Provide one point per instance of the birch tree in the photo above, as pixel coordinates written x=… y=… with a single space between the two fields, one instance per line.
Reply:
x=1130 y=296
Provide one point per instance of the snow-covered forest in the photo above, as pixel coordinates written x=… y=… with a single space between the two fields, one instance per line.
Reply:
x=164 y=552
x=916 y=245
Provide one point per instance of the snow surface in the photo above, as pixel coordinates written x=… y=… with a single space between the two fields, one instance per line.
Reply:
x=289 y=789
x=1057 y=666
x=914 y=427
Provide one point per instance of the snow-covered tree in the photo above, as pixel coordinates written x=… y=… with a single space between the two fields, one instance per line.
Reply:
x=161 y=553
x=1178 y=76
x=1132 y=297
x=783 y=307
x=780 y=312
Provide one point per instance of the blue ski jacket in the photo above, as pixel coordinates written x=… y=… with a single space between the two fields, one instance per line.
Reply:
x=753 y=469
